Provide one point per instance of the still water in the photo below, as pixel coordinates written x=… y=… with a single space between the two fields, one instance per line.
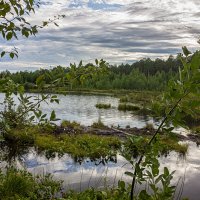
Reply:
x=99 y=174
x=81 y=108
x=78 y=176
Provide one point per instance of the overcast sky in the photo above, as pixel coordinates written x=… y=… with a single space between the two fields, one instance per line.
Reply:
x=115 y=30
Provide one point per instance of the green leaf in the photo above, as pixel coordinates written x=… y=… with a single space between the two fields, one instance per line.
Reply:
x=121 y=185
x=53 y=116
x=155 y=169
x=38 y=114
x=45 y=23
x=186 y=51
x=3 y=53
x=43 y=116
x=129 y=174
x=195 y=62
x=57 y=101
x=166 y=171
x=158 y=179
x=144 y=195
x=21 y=12
x=9 y=35
x=12 y=55
x=26 y=33
x=32 y=118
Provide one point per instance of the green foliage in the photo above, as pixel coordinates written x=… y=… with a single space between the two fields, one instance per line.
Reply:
x=26 y=112
x=91 y=194
x=142 y=75
x=71 y=127
x=78 y=74
x=147 y=172
x=174 y=104
x=99 y=125
x=135 y=146
x=196 y=130
x=78 y=145
x=13 y=16
x=18 y=184
x=81 y=146
x=183 y=93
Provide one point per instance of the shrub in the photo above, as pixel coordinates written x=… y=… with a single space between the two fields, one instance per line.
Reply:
x=19 y=184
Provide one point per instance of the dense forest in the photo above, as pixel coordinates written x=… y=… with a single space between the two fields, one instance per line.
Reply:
x=145 y=74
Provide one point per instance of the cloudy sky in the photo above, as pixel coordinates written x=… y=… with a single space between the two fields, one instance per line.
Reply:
x=115 y=30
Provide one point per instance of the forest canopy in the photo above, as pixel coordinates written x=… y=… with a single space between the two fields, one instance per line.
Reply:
x=145 y=74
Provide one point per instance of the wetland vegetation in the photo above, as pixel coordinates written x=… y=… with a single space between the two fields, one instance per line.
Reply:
x=165 y=89
x=24 y=124
x=103 y=106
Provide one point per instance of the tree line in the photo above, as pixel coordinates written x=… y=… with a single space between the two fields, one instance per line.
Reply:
x=145 y=74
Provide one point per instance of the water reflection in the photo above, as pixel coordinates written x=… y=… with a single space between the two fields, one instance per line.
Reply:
x=102 y=172
x=81 y=108
x=79 y=174
x=13 y=153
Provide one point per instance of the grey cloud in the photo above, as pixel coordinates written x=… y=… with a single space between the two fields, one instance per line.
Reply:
x=126 y=33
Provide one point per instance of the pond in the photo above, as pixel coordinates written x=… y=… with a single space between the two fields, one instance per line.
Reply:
x=100 y=173
x=81 y=108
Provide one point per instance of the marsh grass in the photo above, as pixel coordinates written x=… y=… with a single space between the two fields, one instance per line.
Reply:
x=164 y=145
x=71 y=127
x=143 y=97
x=99 y=125
x=77 y=145
x=103 y=106
x=168 y=144
x=81 y=145
x=68 y=124
x=128 y=107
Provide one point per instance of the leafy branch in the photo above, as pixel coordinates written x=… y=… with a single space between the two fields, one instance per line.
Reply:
x=178 y=90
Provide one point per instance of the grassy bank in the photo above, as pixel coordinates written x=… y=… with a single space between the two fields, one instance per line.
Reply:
x=74 y=139
x=78 y=145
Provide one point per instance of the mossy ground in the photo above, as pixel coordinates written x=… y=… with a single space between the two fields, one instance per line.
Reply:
x=81 y=145
x=164 y=144
x=72 y=139
x=77 y=145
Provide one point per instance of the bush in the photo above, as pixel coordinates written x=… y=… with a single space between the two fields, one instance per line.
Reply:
x=19 y=184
